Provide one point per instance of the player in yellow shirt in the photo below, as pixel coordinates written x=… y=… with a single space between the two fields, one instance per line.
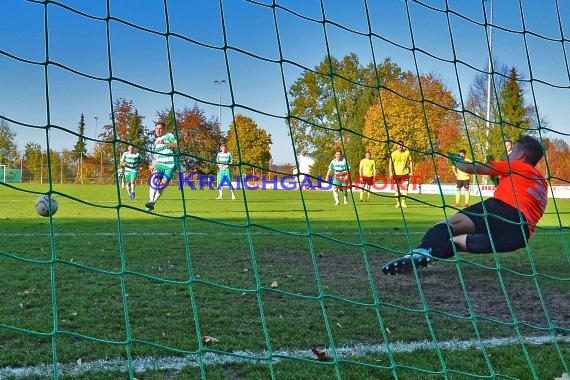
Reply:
x=367 y=172
x=462 y=181
x=400 y=171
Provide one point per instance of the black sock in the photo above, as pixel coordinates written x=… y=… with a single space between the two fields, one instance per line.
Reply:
x=439 y=240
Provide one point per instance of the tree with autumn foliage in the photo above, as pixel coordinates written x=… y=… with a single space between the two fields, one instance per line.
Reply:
x=420 y=116
x=126 y=128
x=434 y=165
x=374 y=78
x=198 y=138
x=557 y=156
x=34 y=161
x=329 y=104
x=249 y=144
x=8 y=152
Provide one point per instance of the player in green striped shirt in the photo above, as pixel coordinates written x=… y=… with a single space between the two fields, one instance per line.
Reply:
x=224 y=159
x=164 y=165
x=339 y=168
x=130 y=161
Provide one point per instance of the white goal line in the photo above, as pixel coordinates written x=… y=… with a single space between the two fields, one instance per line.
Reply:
x=176 y=363
x=225 y=233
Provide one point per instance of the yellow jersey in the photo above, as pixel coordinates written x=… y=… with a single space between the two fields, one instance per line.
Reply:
x=461 y=175
x=367 y=167
x=401 y=161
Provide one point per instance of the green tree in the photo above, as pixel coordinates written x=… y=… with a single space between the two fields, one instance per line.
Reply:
x=8 y=148
x=80 y=147
x=514 y=117
x=68 y=164
x=252 y=145
x=80 y=150
x=33 y=159
x=54 y=169
x=329 y=106
x=136 y=133
x=477 y=130
x=322 y=101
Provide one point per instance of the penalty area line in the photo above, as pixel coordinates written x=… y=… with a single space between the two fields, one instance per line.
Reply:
x=176 y=363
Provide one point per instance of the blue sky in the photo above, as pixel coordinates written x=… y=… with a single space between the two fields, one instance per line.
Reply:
x=79 y=42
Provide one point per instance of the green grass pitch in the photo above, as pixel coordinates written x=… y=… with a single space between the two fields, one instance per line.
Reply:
x=271 y=275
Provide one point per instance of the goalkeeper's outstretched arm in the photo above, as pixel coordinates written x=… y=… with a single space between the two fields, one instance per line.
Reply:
x=475 y=168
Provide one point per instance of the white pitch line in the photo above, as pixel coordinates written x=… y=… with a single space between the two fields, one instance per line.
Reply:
x=176 y=363
x=107 y=234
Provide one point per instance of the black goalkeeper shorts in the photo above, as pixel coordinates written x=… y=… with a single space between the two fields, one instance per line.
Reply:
x=507 y=227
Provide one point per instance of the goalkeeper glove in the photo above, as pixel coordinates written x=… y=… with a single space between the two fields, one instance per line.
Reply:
x=454 y=157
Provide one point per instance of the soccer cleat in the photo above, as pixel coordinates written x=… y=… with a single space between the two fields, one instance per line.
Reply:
x=345 y=202
x=220 y=197
x=466 y=205
x=336 y=203
x=456 y=205
x=233 y=197
x=397 y=205
x=404 y=205
x=420 y=257
x=133 y=195
x=149 y=206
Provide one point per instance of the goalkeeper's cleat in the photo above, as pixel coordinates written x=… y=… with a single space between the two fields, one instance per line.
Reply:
x=133 y=195
x=420 y=257
x=149 y=206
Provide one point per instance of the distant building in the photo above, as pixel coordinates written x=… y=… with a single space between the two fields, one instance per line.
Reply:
x=305 y=163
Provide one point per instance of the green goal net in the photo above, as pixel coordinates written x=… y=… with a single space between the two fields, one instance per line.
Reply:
x=280 y=282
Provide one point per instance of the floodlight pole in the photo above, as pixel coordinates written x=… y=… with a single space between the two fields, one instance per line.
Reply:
x=101 y=149
x=96 y=119
x=220 y=83
x=489 y=77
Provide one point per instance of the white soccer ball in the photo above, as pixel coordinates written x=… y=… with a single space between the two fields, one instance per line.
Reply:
x=46 y=205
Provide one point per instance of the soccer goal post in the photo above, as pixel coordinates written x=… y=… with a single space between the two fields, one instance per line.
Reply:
x=3 y=173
